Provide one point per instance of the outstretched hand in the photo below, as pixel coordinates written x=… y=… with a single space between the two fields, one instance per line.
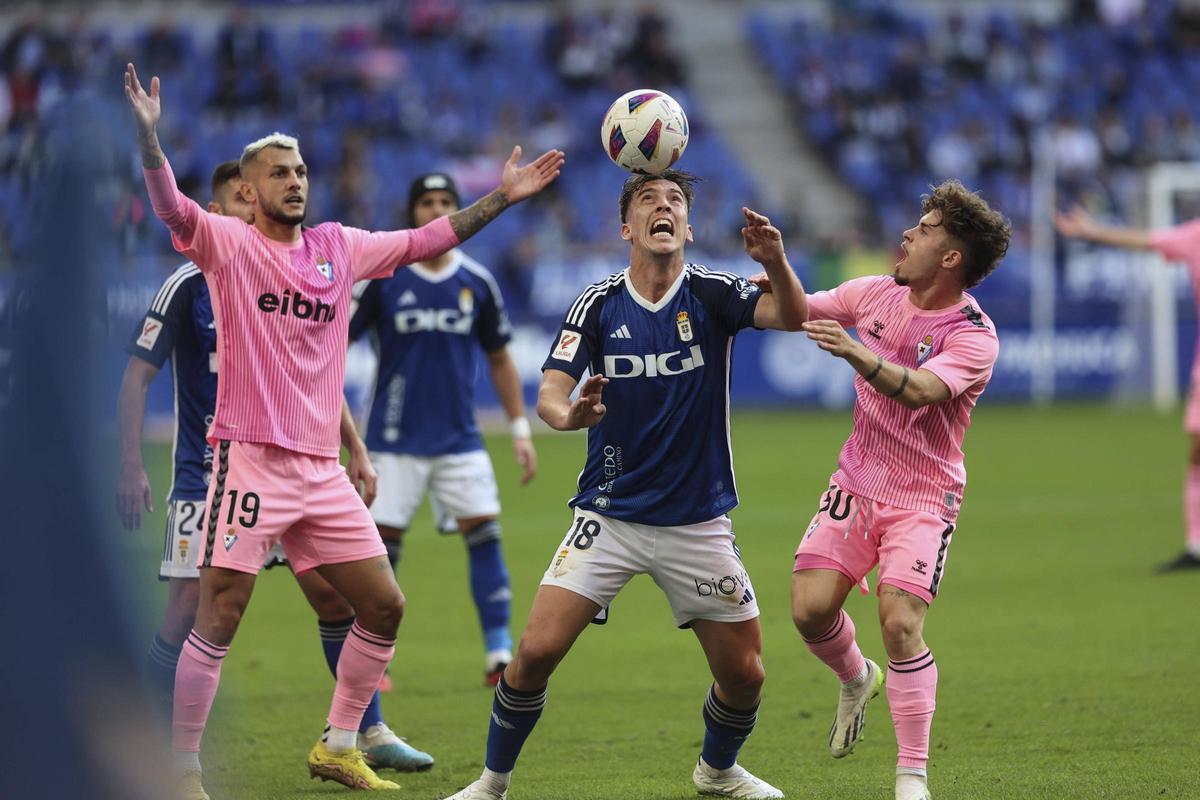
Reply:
x=588 y=410
x=1076 y=223
x=830 y=337
x=519 y=183
x=762 y=240
x=147 y=108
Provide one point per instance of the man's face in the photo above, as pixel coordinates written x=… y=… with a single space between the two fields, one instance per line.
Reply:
x=278 y=185
x=228 y=201
x=432 y=205
x=927 y=248
x=657 y=218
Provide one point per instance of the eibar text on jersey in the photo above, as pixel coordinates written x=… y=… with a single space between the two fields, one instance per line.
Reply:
x=299 y=306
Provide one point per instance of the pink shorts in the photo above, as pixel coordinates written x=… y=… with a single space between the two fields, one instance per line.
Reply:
x=261 y=494
x=851 y=534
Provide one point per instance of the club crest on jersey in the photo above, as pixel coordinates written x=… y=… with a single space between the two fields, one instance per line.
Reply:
x=684 y=325
x=924 y=348
x=466 y=300
x=230 y=539
x=325 y=268
x=568 y=345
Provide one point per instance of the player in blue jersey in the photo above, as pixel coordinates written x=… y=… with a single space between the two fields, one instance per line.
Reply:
x=429 y=322
x=658 y=480
x=179 y=325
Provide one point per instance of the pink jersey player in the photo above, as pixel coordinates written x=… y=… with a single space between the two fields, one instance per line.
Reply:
x=281 y=301
x=1179 y=244
x=924 y=355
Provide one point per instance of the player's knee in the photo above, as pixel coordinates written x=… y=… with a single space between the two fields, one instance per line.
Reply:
x=483 y=533
x=534 y=664
x=899 y=630
x=382 y=614
x=225 y=614
x=745 y=680
x=812 y=619
x=329 y=604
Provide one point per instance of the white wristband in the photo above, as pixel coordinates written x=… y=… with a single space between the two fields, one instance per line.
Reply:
x=519 y=428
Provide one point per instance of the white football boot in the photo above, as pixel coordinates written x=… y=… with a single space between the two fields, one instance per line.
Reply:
x=852 y=712
x=482 y=789
x=732 y=782
x=912 y=787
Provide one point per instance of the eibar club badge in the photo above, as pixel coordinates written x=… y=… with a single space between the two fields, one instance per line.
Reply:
x=325 y=268
x=684 y=325
x=924 y=348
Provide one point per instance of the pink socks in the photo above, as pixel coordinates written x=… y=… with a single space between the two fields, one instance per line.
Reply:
x=364 y=657
x=196 y=679
x=912 y=692
x=838 y=650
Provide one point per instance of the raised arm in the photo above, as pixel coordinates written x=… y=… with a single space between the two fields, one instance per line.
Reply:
x=554 y=404
x=1079 y=224
x=133 y=487
x=785 y=306
x=516 y=184
x=380 y=253
x=508 y=387
x=208 y=239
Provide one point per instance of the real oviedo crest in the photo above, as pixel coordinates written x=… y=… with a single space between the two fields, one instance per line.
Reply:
x=684 y=325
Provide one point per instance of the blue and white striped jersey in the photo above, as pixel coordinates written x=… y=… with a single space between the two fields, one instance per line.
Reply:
x=662 y=454
x=429 y=328
x=179 y=325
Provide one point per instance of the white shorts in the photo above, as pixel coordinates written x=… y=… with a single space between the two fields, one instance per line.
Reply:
x=698 y=567
x=184 y=535
x=461 y=486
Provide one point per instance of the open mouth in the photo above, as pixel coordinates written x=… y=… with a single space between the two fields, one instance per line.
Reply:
x=662 y=227
x=293 y=200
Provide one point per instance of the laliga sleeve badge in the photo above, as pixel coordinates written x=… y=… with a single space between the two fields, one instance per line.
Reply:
x=924 y=348
x=568 y=345
x=684 y=325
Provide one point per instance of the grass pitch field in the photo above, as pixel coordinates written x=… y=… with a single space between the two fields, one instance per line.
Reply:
x=1068 y=669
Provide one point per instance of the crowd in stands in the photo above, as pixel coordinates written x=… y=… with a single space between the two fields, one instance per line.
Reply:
x=896 y=97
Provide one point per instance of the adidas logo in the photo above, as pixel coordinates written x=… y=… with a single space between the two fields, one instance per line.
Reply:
x=620 y=333
x=746 y=598
x=408 y=298
x=503 y=723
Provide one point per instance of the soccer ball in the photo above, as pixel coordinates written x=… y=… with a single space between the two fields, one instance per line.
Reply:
x=644 y=131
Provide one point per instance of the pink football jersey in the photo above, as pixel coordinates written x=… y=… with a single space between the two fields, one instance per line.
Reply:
x=282 y=313
x=910 y=458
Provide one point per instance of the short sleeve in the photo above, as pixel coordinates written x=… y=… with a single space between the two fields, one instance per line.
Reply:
x=366 y=308
x=494 y=329
x=966 y=359
x=730 y=299
x=1181 y=243
x=577 y=339
x=840 y=304
x=154 y=336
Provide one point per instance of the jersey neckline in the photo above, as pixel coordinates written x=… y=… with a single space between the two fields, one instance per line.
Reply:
x=666 y=298
x=441 y=275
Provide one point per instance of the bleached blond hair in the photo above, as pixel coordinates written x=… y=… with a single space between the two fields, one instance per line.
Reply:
x=276 y=139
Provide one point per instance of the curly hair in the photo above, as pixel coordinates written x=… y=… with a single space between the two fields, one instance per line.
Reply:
x=684 y=180
x=982 y=231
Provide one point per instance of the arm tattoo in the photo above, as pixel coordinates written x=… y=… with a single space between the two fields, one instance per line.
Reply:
x=470 y=220
x=152 y=154
x=893 y=590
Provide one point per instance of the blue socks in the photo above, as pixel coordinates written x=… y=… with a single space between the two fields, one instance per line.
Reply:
x=489 y=584
x=161 y=660
x=514 y=713
x=725 y=731
x=333 y=636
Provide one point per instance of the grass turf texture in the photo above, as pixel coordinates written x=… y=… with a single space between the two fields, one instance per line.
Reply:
x=1067 y=667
